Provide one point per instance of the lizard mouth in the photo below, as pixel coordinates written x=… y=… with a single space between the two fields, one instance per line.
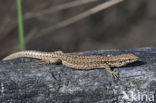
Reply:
x=131 y=60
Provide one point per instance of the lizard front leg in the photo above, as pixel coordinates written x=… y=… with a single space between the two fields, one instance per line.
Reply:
x=91 y=66
x=113 y=73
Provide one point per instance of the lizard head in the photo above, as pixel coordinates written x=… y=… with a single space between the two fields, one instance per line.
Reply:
x=123 y=59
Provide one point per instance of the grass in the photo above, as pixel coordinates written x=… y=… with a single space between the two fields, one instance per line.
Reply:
x=20 y=25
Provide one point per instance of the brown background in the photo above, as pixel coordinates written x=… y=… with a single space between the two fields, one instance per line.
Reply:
x=129 y=24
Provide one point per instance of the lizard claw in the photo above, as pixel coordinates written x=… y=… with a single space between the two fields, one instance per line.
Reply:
x=115 y=74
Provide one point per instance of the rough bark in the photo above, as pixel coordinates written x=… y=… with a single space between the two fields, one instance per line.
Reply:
x=24 y=81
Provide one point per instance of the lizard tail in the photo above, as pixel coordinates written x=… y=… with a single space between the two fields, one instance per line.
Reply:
x=31 y=54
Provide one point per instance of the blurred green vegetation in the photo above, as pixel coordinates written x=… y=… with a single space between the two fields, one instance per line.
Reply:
x=20 y=25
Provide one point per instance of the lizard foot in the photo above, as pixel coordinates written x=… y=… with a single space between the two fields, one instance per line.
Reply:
x=115 y=74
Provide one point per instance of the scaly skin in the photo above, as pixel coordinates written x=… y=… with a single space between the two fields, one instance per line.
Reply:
x=79 y=61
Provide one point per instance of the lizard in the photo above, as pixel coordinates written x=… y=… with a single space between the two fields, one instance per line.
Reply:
x=83 y=62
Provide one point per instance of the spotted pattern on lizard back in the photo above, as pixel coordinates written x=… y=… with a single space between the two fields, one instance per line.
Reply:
x=79 y=61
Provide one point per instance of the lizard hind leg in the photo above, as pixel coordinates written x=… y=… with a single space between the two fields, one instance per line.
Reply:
x=54 y=61
x=48 y=61
x=41 y=62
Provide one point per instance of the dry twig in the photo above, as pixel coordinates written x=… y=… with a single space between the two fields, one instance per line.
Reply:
x=58 y=8
x=80 y=16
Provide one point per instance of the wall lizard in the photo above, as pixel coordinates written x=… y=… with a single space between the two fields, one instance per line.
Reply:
x=79 y=61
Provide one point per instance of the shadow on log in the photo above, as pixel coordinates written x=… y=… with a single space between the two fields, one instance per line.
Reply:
x=24 y=81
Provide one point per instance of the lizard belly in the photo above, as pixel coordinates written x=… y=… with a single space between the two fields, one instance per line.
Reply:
x=81 y=65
